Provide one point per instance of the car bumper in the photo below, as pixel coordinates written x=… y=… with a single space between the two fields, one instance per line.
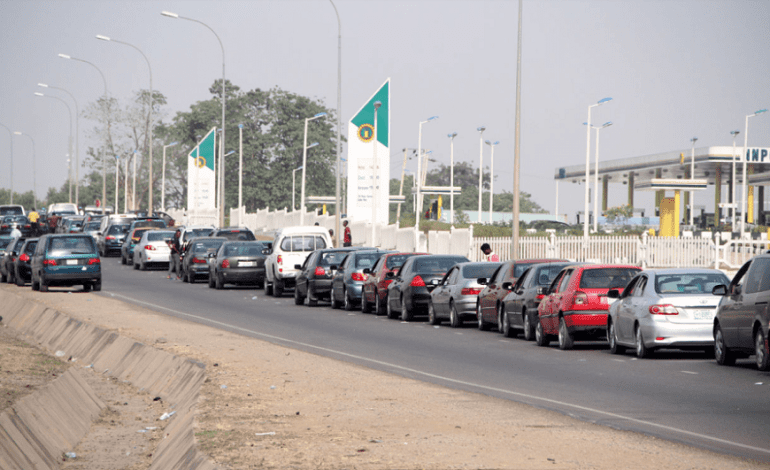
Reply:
x=354 y=291
x=420 y=301
x=319 y=287
x=466 y=306
x=677 y=335
x=68 y=279
x=586 y=321
x=24 y=272
x=243 y=275
x=158 y=257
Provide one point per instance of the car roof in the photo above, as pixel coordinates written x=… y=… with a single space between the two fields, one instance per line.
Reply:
x=304 y=230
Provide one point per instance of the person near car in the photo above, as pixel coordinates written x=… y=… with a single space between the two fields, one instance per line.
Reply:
x=176 y=253
x=489 y=255
x=347 y=239
x=334 y=240
x=34 y=217
x=15 y=234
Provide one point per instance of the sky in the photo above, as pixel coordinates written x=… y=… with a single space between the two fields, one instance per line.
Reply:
x=675 y=70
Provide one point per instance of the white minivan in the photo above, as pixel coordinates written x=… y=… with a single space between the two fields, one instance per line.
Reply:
x=291 y=246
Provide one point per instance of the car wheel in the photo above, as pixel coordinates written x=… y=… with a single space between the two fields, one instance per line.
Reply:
x=142 y=265
x=97 y=286
x=406 y=315
x=87 y=287
x=641 y=349
x=268 y=287
x=566 y=341
x=454 y=318
x=312 y=300
x=278 y=288
x=612 y=339
x=35 y=284
x=388 y=309
x=123 y=259
x=333 y=298
x=541 y=338
x=19 y=281
x=298 y=299
x=529 y=326
x=378 y=307
x=11 y=277
x=347 y=301
x=722 y=353
x=219 y=281
x=211 y=281
x=480 y=318
x=191 y=277
x=761 y=350
x=3 y=278
x=505 y=328
x=432 y=319
x=366 y=307
x=43 y=285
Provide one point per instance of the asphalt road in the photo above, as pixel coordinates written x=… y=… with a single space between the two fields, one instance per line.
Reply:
x=679 y=396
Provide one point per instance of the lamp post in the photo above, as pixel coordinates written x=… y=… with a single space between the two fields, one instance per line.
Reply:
x=149 y=131
x=588 y=162
x=125 y=187
x=117 y=173
x=222 y=162
x=10 y=142
x=491 y=177
x=240 y=174
x=304 y=167
x=293 y=185
x=338 y=209
x=481 y=167
x=133 y=183
x=418 y=179
x=77 y=140
x=375 y=175
x=692 y=177
x=452 y=177
x=745 y=164
x=34 y=171
x=163 y=184
x=596 y=175
x=104 y=160
x=732 y=182
x=516 y=148
x=69 y=111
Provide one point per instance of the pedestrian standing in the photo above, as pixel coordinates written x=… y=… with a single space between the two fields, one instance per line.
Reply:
x=176 y=253
x=34 y=217
x=347 y=239
x=489 y=255
x=334 y=240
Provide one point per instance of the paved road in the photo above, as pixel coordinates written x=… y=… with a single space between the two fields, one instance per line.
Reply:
x=684 y=397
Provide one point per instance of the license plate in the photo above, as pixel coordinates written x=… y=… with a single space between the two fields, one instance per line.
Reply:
x=247 y=264
x=71 y=262
x=703 y=314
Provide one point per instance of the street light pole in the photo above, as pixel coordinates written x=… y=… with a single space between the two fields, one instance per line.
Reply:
x=240 y=174
x=692 y=177
x=418 y=182
x=588 y=162
x=222 y=161
x=452 y=177
x=117 y=173
x=375 y=175
x=10 y=141
x=516 y=148
x=125 y=187
x=34 y=171
x=293 y=185
x=304 y=167
x=596 y=175
x=69 y=114
x=745 y=164
x=491 y=178
x=732 y=183
x=338 y=209
x=163 y=183
x=77 y=139
x=481 y=167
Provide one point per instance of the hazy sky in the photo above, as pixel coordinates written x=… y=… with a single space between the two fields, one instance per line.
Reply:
x=675 y=69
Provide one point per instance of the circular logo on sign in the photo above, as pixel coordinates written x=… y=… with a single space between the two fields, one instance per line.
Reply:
x=366 y=133
x=200 y=162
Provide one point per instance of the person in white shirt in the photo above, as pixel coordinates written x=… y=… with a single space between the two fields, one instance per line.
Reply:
x=489 y=255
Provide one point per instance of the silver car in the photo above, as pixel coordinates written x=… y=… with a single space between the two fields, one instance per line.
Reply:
x=455 y=295
x=664 y=308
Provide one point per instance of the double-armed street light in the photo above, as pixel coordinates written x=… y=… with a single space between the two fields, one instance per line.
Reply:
x=69 y=111
x=588 y=162
x=692 y=177
x=34 y=170
x=596 y=173
x=418 y=203
x=304 y=167
x=163 y=184
x=491 y=177
x=481 y=167
x=732 y=182
x=452 y=176
x=77 y=138
x=294 y=185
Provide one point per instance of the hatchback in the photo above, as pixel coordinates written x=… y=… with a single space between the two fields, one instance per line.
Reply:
x=112 y=239
x=241 y=263
x=66 y=260
x=456 y=295
x=349 y=279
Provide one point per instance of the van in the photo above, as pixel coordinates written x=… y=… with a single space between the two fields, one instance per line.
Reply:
x=291 y=246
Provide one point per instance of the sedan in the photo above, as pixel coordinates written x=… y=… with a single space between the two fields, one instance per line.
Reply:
x=22 y=272
x=19 y=221
x=129 y=244
x=664 y=308
x=199 y=254
x=349 y=279
x=152 y=248
x=314 y=278
x=409 y=293
x=9 y=257
x=241 y=263
x=456 y=295
x=112 y=239
x=375 y=288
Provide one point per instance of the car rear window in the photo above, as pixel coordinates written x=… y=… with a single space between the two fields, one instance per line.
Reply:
x=303 y=243
x=436 y=265
x=4 y=242
x=366 y=260
x=546 y=274
x=696 y=283
x=519 y=268
x=475 y=271
x=150 y=223
x=397 y=260
x=198 y=232
x=62 y=246
x=156 y=236
x=606 y=278
x=251 y=249
x=11 y=210
x=30 y=248
x=93 y=226
x=237 y=235
x=117 y=229
x=206 y=245
x=138 y=234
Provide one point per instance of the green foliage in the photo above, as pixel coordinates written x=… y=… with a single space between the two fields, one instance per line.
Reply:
x=25 y=199
x=619 y=215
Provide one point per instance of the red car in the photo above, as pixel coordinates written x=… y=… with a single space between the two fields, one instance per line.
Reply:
x=488 y=309
x=576 y=304
x=375 y=289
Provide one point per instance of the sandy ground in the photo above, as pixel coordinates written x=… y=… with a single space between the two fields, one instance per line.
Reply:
x=267 y=406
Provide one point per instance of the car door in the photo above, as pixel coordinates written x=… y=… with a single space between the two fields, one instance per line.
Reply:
x=732 y=305
x=626 y=310
x=751 y=303
x=487 y=301
x=515 y=302
x=546 y=307
x=440 y=294
x=303 y=274
x=553 y=321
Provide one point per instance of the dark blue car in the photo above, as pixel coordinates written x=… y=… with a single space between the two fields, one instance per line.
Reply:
x=66 y=260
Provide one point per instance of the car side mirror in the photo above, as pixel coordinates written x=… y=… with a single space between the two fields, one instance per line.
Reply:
x=507 y=285
x=434 y=282
x=542 y=290
x=297 y=266
x=99 y=234
x=334 y=267
x=720 y=289
x=266 y=251
x=613 y=294
x=482 y=281
x=211 y=255
x=367 y=271
x=390 y=275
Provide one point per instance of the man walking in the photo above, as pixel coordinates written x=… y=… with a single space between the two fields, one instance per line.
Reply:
x=489 y=255
x=34 y=217
x=347 y=239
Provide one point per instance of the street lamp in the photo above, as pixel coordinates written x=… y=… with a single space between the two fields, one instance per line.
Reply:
x=77 y=140
x=375 y=175
x=481 y=166
x=10 y=142
x=240 y=174
x=293 y=185
x=692 y=177
x=452 y=177
x=596 y=174
x=745 y=163
x=149 y=177
x=588 y=161
x=163 y=185
x=418 y=196
x=304 y=166
x=338 y=210
x=104 y=160
x=34 y=171
x=69 y=110
x=222 y=162
x=732 y=182
x=117 y=173
x=491 y=177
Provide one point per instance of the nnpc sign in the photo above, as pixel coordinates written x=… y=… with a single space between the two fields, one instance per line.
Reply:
x=761 y=155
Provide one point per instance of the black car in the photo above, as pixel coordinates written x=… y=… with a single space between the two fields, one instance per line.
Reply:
x=409 y=293
x=241 y=263
x=19 y=221
x=348 y=280
x=152 y=222
x=520 y=304
x=199 y=253
x=234 y=233
x=66 y=260
x=314 y=279
x=9 y=257
x=22 y=270
x=112 y=239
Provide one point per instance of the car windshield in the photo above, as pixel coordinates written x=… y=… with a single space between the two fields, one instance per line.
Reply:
x=396 y=260
x=197 y=232
x=245 y=235
x=117 y=229
x=332 y=258
x=243 y=249
x=206 y=245
x=435 y=264
x=606 y=278
x=93 y=226
x=159 y=235
x=62 y=246
x=303 y=243
x=366 y=260
x=696 y=283
x=475 y=271
x=546 y=274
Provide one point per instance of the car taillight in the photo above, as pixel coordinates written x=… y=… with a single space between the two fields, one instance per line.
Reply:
x=279 y=260
x=540 y=296
x=24 y=257
x=470 y=291
x=663 y=309
x=49 y=262
x=417 y=282
x=358 y=277
x=149 y=247
x=109 y=238
x=198 y=260
x=581 y=298
x=92 y=261
x=27 y=226
x=319 y=271
x=4 y=226
x=226 y=263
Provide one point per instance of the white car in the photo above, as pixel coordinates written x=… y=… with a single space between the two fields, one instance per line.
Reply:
x=152 y=248
x=291 y=246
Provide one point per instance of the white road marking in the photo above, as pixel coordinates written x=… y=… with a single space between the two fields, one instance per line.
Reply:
x=689 y=372
x=455 y=381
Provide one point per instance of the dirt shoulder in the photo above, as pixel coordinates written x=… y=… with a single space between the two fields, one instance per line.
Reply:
x=269 y=406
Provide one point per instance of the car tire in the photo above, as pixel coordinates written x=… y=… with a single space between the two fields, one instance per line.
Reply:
x=3 y=278
x=87 y=287
x=480 y=318
x=97 y=286
x=278 y=288
x=312 y=300
x=219 y=281
x=298 y=299
x=723 y=355
x=388 y=309
x=529 y=326
x=454 y=318
x=566 y=341
x=11 y=277
x=333 y=298
x=19 y=281
x=268 y=287
x=761 y=350
x=432 y=318
x=142 y=265
x=378 y=307
x=35 y=284
x=612 y=339
x=122 y=259
x=43 y=285
x=506 y=329
x=211 y=281
x=366 y=307
x=406 y=315
x=347 y=302
x=641 y=350
x=541 y=338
